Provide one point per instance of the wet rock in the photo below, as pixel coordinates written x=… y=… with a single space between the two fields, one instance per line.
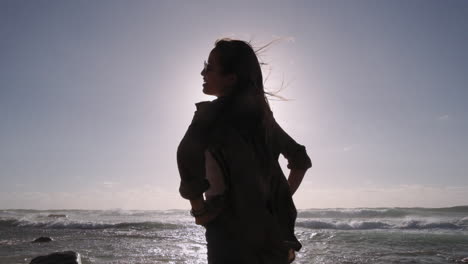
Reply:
x=42 y=240
x=57 y=215
x=66 y=257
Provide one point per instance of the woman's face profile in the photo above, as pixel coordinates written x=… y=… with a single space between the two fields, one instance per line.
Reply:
x=214 y=81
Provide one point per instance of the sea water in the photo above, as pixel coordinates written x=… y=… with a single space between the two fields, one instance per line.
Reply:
x=364 y=235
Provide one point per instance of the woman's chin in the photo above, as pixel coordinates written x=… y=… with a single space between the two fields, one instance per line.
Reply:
x=206 y=91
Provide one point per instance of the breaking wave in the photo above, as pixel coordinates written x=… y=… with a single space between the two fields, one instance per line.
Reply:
x=86 y=225
x=380 y=212
x=365 y=225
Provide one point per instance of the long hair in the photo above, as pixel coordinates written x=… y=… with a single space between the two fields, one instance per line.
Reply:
x=238 y=57
x=248 y=99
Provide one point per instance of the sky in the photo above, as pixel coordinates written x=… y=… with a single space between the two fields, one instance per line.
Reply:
x=95 y=97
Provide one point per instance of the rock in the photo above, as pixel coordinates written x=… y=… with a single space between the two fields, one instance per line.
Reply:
x=66 y=257
x=57 y=215
x=42 y=240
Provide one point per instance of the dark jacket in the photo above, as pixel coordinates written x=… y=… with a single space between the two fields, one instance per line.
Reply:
x=258 y=198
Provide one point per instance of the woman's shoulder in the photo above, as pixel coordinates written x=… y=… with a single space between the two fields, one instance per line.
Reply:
x=207 y=110
x=207 y=105
x=202 y=105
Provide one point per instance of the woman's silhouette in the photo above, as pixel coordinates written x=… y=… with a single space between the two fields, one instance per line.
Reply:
x=230 y=154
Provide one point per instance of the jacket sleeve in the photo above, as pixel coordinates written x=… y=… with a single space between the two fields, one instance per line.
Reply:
x=295 y=153
x=191 y=154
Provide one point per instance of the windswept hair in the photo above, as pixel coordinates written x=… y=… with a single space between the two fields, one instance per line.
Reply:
x=238 y=57
x=248 y=96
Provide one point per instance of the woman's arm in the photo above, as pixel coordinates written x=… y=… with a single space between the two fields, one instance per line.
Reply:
x=203 y=214
x=295 y=179
x=298 y=160
x=295 y=153
x=197 y=204
x=191 y=153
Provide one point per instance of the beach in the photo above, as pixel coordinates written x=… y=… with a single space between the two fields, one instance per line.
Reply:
x=360 y=235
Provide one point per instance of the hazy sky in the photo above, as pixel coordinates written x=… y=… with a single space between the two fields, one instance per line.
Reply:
x=96 y=95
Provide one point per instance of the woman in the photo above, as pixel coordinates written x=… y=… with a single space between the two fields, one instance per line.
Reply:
x=230 y=154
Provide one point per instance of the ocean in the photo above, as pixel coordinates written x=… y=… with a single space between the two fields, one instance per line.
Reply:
x=363 y=235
